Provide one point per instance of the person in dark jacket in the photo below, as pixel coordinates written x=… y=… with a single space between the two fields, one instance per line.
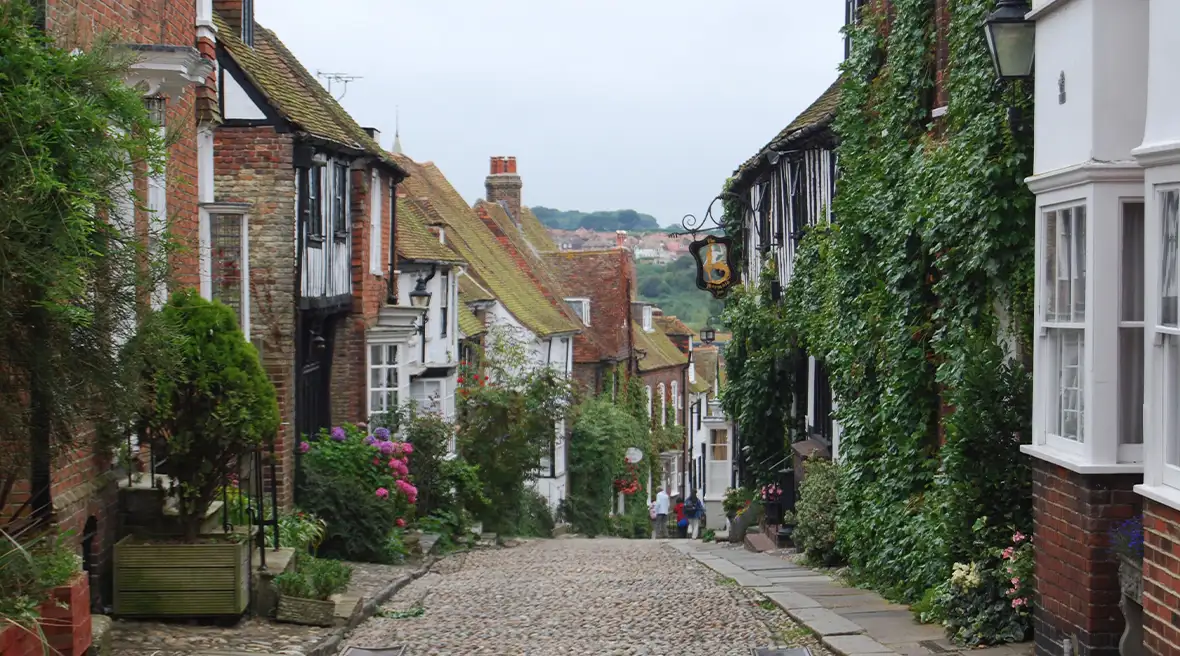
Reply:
x=694 y=510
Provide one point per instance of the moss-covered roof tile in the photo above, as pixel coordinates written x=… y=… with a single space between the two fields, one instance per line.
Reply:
x=414 y=240
x=493 y=263
x=469 y=324
x=661 y=352
x=535 y=231
x=472 y=291
x=294 y=92
x=818 y=115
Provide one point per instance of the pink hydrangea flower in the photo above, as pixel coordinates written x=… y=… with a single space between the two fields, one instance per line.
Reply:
x=382 y=493
x=304 y=447
x=1017 y=602
x=400 y=522
x=407 y=448
x=1018 y=537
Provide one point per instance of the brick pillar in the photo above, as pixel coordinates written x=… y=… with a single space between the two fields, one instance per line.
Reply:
x=1161 y=579
x=1076 y=575
x=503 y=184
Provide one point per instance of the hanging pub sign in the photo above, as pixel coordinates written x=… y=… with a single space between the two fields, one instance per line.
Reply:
x=715 y=272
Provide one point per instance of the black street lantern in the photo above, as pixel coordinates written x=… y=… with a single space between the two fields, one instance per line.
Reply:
x=715 y=273
x=708 y=334
x=420 y=298
x=1011 y=38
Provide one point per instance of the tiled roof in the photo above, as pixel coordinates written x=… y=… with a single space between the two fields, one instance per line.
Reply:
x=535 y=231
x=661 y=352
x=472 y=291
x=490 y=261
x=817 y=116
x=670 y=325
x=704 y=360
x=469 y=324
x=414 y=240
x=294 y=92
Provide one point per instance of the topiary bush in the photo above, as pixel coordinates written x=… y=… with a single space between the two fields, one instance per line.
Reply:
x=212 y=401
x=815 y=512
x=359 y=484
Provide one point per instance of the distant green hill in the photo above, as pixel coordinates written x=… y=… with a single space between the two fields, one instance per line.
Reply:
x=673 y=287
x=600 y=221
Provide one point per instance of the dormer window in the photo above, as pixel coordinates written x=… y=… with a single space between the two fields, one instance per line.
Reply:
x=647 y=319
x=581 y=307
x=248 y=22
x=851 y=17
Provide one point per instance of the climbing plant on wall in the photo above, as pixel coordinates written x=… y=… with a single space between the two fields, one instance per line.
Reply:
x=919 y=300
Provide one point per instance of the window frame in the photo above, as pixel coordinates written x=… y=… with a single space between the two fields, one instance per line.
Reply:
x=376 y=207
x=1163 y=398
x=1130 y=452
x=584 y=312
x=663 y=392
x=675 y=403
x=396 y=367
x=647 y=319
x=1047 y=328
x=338 y=200
x=444 y=303
x=312 y=197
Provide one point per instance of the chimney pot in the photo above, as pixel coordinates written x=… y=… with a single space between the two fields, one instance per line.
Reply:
x=511 y=165
x=620 y=238
x=495 y=165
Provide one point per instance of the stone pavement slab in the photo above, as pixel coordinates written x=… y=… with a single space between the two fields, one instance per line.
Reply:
x=851 y=621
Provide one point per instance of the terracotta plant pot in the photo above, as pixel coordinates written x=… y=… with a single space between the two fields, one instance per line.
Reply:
x=65 y=619
x=20 y=641
x=312 y=612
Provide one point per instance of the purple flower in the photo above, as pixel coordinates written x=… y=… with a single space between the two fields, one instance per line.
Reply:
x=304 y=447
x=382 y=434
x=338 y=434
x=386 y=448
x=370 y=440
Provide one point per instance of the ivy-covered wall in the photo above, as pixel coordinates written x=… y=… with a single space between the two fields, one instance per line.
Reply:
x=918 y=298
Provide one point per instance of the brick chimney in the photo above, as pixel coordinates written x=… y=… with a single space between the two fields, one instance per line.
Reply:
x=503 y=184
x=620 y=238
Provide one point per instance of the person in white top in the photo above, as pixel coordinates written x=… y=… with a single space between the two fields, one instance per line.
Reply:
x=660 y=508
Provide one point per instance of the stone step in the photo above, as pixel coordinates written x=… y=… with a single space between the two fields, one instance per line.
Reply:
x=759 y=542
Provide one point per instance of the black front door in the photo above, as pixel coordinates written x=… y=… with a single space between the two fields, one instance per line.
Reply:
x=314 y=376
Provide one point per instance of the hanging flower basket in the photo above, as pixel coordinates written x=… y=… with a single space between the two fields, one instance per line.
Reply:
x=311 y=612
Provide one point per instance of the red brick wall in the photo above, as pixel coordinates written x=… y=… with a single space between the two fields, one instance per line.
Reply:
x=1161 y=579
x=254 y=165
x=1077 y=578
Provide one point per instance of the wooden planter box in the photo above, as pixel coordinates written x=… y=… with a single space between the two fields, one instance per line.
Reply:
x=65 y=619
x=21 y=641
x=313 y=612
x=172 y=579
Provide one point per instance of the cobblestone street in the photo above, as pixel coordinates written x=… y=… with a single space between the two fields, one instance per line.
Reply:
x=576 y=596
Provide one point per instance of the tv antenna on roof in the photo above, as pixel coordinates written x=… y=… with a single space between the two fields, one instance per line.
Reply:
x=340 y=78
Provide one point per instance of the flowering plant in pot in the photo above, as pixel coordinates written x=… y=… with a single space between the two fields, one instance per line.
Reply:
x=1126 y=542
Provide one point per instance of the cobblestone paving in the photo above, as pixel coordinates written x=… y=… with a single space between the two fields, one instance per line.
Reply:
x=576 y=596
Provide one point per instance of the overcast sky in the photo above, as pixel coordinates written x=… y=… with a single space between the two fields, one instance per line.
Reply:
x=606 y=104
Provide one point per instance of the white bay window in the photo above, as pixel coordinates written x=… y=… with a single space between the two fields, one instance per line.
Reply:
x=1166 y=328
x=1064 y=320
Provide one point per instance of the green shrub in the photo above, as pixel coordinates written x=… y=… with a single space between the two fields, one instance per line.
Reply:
x=815 y=511
x=213 y=402
x=293 y=583
x=347 y=480
x=602 y=433
x=396 y=550
x=314 y=578
x=736 y=498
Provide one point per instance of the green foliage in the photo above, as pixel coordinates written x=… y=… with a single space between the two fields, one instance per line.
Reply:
x=918 y=298
x=507 y=423
x=72 y=136
x=602 y=221
x=314 y=578
x=603 y=431
x=760 y=360
x=988 y=601
x=349 y=479
x=396 y=550
x=430 y=434
x=815 y=512
x=301 y=531
x=212 y=401
x=673 y=287
x=735 y=499
x=29 y=570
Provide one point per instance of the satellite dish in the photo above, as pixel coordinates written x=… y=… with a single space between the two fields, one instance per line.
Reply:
x=634 y=455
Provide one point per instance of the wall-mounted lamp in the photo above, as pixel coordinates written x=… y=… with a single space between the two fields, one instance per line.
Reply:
x=1011 y=38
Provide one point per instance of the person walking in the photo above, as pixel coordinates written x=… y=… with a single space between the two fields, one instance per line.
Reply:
x=661 y=507
x=681 y=519
x=693 y=511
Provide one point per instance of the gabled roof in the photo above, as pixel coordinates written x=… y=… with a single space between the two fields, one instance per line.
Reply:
x=672 y=326
x=661 y=352
x=704 y=359
x=818 y=116
x=294 y=93
x=414 y=240
x=494 y=264
x=535 y=231
x=473 y=292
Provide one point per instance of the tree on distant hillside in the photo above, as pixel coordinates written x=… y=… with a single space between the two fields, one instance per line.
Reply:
x=673 y=287
x=607 y=221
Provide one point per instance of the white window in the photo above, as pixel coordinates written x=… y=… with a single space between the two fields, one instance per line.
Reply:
x=1064 y=308
x=375 y=205
x=444 y=308
x=1130 y=348
x=581 y=307
x=649 y=401
x=661 y=390
x=383 y=383
x=676 y=403
x=230 y=264
x=1168 y=329
x=647 y=318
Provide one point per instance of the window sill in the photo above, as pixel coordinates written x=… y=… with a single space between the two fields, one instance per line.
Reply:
x=1168 y=496
x=315 y=241
x=1073 y=464
x=340 y=237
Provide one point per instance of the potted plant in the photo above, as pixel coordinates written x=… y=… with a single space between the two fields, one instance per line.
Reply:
x=771 y=495
x=44 y=597
x=305 y=592
x=786 y=529
x=208 y=403
x=1126 y=541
